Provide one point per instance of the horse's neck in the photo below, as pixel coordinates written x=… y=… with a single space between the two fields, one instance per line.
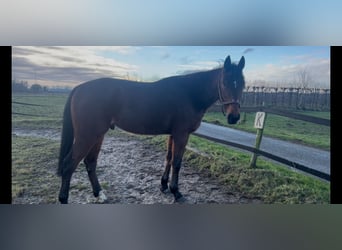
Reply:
x=205 y=88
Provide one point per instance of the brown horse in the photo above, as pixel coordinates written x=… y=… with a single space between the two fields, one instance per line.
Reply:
x=173 y=106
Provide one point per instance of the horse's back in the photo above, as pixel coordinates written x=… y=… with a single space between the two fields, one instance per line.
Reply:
x=143 y=108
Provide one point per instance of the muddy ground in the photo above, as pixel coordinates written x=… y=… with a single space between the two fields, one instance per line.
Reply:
x=129 y=170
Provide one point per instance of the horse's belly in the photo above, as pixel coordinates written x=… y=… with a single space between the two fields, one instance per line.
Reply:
x=152 y=127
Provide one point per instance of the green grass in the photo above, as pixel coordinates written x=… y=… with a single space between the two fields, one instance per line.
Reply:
x=34 y=163
x=282 y=128
x=270 y=182
x=49 y=115
x=319 y=114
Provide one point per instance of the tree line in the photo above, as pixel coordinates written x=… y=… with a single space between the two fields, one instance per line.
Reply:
x=22 y=86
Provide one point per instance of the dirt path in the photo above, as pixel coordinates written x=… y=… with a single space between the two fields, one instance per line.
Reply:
x=129 y=171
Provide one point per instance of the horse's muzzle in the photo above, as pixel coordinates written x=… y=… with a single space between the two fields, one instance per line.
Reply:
x=233 y=112
x=233 y=118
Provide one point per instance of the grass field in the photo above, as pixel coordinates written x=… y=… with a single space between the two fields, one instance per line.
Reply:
x=49 y=115
x=270 y=182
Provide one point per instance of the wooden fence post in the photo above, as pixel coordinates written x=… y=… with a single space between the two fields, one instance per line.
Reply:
x=259 y=123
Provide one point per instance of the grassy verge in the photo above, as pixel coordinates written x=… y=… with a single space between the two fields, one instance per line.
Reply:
x=270 y=182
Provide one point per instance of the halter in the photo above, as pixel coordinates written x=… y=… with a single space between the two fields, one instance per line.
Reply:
x=222 y=101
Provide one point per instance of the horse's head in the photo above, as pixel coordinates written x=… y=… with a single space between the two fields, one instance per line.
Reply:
x=230 y=89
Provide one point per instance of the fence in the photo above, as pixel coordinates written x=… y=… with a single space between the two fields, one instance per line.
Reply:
x=270 y=156
x=292 y=98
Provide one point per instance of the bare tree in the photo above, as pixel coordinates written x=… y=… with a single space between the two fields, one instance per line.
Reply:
x=304 y=78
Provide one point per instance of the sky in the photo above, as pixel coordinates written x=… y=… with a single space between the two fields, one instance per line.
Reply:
x=68 y=66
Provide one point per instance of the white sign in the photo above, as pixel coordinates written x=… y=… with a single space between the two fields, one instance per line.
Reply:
x=259 y=120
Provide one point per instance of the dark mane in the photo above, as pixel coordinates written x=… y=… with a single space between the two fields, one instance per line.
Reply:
x=184 y=79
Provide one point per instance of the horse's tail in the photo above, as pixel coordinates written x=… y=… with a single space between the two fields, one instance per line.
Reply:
x=67 y=138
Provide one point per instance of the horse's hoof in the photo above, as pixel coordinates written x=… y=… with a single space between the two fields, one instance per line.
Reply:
x=102 y=198
x=180 y=200
x=63 y=200
x=164 y=189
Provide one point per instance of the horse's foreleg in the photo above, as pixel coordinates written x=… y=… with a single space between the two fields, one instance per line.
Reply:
x=165 y=177
x=91 y=161
x=178 y=149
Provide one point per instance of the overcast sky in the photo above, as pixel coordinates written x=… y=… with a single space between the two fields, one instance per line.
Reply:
x=72 y=65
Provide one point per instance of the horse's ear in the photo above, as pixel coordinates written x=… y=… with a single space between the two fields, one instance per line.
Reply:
x=227 y=63
x=241 y=64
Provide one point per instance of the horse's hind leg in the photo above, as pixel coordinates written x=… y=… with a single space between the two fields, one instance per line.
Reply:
x=71 y=162
x=70 y=165
x=91 y=161
x=77 y=153
x=165 y=177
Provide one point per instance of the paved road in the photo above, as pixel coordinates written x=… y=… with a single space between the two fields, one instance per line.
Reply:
x=307 y=156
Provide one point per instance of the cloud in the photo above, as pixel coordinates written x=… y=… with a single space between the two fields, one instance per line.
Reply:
x=69 y=65
x=286 y=72
x=124 y=50
x=247 y=51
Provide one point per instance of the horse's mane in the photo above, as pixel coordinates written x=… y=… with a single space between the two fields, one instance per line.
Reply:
x=184 y=78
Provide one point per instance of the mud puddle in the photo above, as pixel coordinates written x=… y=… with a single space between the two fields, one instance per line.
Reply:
x=129 y=170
